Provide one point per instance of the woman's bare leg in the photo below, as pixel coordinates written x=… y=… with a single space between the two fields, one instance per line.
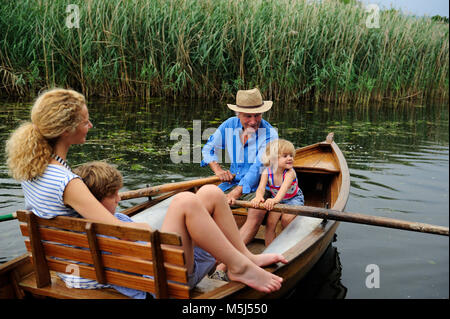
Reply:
x=215 y=203
x=188 y=217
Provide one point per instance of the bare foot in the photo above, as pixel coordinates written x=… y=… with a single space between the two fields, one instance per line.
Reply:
x=260 y=260
x=222 y=267
x=256 y=277
x=268 y=259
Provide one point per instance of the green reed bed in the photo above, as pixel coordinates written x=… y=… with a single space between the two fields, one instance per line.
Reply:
x=293 y=50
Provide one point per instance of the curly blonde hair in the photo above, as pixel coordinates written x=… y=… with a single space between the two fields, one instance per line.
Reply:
x=101 y=178
x=276 y=148
x=29 y=148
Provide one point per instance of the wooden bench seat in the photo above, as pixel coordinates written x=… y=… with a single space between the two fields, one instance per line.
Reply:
x=58 y=289
x=110 y=254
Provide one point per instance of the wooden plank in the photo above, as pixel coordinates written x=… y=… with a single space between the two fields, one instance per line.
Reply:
x=40 y=265
x=141 y=267
x=175 y=290
x=316 y=170
x=58 y=289
x=171 y=255
x=317 y=158
x=11 y=273
x=13 y=264
x=122 y=232
x=161 y=289
x=95 y=253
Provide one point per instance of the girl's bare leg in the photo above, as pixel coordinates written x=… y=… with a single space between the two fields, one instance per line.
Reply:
x=188 y=217
x=271 y=225
x=286 y=219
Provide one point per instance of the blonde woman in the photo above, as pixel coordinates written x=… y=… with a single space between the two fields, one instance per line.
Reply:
x=36 y=156
x=282 y=181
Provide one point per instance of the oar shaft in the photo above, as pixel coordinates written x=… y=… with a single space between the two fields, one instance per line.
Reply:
x=155 y=190
x=6 y=217
x=353 y=218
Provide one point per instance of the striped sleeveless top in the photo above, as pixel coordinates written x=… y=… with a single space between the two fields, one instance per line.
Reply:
x=292 y=190
x=44 y=197
x=44 y=194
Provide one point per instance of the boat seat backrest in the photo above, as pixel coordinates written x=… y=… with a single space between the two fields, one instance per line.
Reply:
x=119 y=255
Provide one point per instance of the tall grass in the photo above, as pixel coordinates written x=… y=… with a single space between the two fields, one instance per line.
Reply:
x=290 y=49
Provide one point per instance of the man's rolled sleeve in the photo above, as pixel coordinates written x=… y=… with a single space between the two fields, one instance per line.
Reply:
x=214 y=142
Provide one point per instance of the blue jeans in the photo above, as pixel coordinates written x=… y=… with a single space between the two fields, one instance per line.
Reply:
x=296 y=200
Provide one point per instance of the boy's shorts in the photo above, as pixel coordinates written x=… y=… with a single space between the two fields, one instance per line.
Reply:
x=203 y=263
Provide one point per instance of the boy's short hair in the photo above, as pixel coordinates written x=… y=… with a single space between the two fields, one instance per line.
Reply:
x=101 y=178
x=276 y=148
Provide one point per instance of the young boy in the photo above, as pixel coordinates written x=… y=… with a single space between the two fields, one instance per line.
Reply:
x=104 y=181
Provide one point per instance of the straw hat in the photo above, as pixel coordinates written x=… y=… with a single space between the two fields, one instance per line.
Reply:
x=250 y=101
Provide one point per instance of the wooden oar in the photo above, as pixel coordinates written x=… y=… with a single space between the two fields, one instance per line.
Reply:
x=4 y=218
x=155 y=190
x=352 y=218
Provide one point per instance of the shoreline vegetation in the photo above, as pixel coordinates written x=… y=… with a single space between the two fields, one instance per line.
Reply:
x=293 y=50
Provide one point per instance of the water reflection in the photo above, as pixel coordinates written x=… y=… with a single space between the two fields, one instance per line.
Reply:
x=324 y=280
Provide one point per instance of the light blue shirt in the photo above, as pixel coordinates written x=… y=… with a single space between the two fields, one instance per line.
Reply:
x=245 y=159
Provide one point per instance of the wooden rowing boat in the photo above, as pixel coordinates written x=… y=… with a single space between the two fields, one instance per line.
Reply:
x=324 y=178
x=325 y=181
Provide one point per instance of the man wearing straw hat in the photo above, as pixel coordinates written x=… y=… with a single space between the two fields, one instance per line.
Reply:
x=244 y=137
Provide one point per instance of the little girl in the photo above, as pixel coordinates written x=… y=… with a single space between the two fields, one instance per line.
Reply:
x=282 y=181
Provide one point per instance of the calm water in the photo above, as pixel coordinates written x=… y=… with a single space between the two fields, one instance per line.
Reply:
x=399 y=164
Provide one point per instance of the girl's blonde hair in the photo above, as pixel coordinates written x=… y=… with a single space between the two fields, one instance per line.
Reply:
x=101 y=178
x=29 y=148
x=276 y=148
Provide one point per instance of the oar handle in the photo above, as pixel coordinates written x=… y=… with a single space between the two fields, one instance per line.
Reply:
x=324 y=213
x=155 y=190
x=6 y=217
